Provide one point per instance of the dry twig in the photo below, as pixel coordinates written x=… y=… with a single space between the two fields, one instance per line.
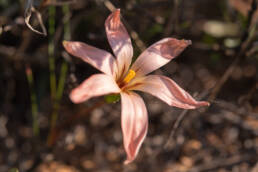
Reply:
x=224 y=162
x=245 y=41
x=27 y=15
x=179 y=120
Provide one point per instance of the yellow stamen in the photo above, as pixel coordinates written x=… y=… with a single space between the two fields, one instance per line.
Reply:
x=129 y=76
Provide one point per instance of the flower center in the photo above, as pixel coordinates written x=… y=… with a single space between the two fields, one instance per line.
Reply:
x=129 y=76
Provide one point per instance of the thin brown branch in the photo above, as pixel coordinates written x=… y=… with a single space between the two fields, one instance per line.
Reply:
x=234 y=108
x=224 y=162
x=245 y=41
x=179 y=121
x=176 y=125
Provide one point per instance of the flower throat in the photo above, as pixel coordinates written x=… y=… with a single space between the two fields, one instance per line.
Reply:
x=130 y=75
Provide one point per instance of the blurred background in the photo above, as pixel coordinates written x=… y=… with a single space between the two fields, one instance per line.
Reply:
x=41 y=130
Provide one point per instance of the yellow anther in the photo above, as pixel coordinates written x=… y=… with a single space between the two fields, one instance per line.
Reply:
x=129 y=76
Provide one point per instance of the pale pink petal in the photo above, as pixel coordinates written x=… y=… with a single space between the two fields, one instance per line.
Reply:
x=134 y=123
x=98 y=58
x=168 y=91
x=120 y=41
x=96 y=85
x=158 y=55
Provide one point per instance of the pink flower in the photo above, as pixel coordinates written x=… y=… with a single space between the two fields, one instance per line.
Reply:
x=119 y=77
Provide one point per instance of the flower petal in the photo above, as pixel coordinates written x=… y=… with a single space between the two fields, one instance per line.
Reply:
x=134 y=123
x=120 y=41
x=98 y=58
x=96 y=85
x=167 y=90
x=158 y=55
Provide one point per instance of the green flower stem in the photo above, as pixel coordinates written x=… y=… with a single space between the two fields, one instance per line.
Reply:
x=51 y=60
x=63 y=73
x=55 y=133
x=33 y=99
x=67 y=31
x=51 y=48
